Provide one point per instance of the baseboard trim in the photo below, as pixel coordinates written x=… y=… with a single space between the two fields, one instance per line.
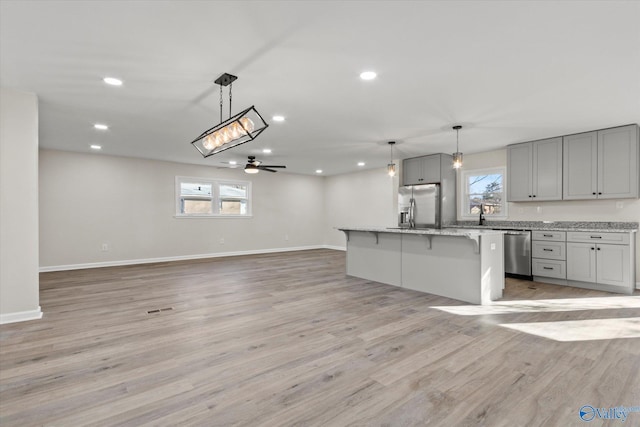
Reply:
x=47 y=269
x=20 y=316
x=335 y=248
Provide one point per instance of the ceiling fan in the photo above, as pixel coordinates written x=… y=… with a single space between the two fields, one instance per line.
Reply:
x=255 y=166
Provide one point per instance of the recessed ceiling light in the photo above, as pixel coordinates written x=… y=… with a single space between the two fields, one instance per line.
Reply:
x=318 y=170
x=266 y=151
x=233 y=162
x=100 y=126
x=278 y=118
x=360 y=163
x=96 y=147
x=112 y=81
x=368 y=75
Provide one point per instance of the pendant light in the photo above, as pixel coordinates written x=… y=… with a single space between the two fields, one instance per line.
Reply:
x=238 y=129
x=457 y=156
x=391 y=167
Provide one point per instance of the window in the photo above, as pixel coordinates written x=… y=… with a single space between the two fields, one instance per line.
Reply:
x=201 y=197
x=484 y=188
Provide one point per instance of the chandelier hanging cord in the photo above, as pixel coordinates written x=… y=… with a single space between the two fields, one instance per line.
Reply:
x=220 y=103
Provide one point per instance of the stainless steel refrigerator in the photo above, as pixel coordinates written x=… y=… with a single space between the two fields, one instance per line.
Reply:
x=419 y=206
x=427 y=205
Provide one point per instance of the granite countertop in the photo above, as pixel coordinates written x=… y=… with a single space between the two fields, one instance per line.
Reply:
x=468 y=232
x=589 y=226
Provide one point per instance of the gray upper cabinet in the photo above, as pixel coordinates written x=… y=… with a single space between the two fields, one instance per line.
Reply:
x=534 y=171
x=601 y=164
x=421 y=170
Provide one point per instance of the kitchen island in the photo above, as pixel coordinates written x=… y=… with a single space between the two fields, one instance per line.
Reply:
x=463 y=264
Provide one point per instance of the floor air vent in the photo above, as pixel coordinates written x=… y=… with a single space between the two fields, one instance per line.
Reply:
x=158 y=310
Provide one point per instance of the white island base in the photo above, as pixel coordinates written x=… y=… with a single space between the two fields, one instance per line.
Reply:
x=467 y=265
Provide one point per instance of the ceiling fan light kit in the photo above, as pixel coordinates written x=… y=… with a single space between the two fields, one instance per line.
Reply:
x=255 y=166
x=236 y=130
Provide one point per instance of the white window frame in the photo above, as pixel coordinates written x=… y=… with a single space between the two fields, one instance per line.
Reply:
x=464 y=191
x=215 y=197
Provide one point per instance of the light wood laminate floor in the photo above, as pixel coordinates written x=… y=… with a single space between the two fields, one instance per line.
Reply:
x=287 y=339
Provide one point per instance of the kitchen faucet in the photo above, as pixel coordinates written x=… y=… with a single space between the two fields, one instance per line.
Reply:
x=481 y=222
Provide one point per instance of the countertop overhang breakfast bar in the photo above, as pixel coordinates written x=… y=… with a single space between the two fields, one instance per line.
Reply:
x=463 y=264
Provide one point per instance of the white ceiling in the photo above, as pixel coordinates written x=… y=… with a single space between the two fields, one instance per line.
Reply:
x=507 y=71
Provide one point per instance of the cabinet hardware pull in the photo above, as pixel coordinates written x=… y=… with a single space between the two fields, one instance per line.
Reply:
x=599 y=193
x=548 y=235
x=529 y=195
x=598 y=248
x=593 y=249
x=593 y=193
x=548 y=250
x=548 y=268
x=596 y=237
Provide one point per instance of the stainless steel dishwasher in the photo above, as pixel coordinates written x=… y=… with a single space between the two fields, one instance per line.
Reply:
x=517 y=253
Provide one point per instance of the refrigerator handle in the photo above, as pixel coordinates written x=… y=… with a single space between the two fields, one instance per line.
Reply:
x=412 y=218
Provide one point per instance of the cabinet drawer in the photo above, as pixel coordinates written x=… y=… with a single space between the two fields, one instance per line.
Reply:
x=583 y=236
x=549 y=268
x=548 y=250
x=559 y=236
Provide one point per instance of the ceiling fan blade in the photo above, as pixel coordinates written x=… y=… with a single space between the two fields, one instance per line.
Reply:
x=264 y=168
x=272 y=166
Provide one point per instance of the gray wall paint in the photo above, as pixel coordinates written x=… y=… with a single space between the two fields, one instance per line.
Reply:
x=90 y=199
x=367 y=198
x=18 y=204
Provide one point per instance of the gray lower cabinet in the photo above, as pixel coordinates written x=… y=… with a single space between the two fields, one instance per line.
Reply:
x=601 y=258
x=534 y=171
x=548 y=250
x=594 y=260
x=581 y=262
x=601 y=164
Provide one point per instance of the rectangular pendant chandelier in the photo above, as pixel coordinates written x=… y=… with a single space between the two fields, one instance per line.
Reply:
x=237 y=130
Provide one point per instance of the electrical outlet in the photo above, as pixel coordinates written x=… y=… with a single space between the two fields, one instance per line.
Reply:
x=539 y=209
x=105 y=247
x=286 y=237
x=493 y=246
x=222 y=240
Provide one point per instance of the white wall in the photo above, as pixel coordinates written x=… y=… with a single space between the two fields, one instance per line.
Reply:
x=367 y=198
x=18 y=206
x=90 y=199
x=570 y=210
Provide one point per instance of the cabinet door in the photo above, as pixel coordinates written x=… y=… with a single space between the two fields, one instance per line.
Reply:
x=519 y=163
x=580 y=163
x=613 y=265
x=412 y=171
x=430 y=169
x=581 y=262
x=547 y=169
x=618 y=163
